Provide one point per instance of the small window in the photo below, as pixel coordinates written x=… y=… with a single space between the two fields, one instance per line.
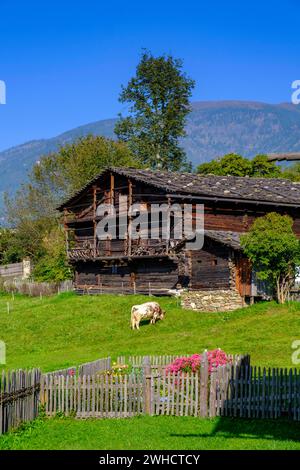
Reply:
x=214 y=262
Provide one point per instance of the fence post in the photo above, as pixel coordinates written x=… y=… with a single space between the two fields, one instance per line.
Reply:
x=147 y=384
x=203 y=398
x=212 y=394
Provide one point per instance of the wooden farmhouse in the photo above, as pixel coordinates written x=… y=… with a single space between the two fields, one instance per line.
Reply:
x=218 y=276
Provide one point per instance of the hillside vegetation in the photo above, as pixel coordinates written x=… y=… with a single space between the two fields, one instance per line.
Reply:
x=66 y=330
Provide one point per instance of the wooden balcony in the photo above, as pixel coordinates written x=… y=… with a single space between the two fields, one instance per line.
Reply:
x=120 y=249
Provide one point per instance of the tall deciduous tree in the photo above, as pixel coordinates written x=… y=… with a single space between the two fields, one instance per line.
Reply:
x=236 y=165
x=292 y=172
x=159 y=97
x=32 y=212
x=262 y=168
x=63 y=172
x=231 y=164
x=274 y=250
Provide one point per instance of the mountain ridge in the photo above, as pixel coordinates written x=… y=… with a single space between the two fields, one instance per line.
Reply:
x=213 y=128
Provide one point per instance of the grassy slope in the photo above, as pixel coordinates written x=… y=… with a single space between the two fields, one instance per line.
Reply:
x=159 y=432
x=67 y=330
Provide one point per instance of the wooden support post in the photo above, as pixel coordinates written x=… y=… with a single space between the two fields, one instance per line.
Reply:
x=66 y=228
x=94 y=216
x=112 y=202
x=168 y=226
x=112 y=189
x=129 y=218
x=147 y=385
x=203 y=386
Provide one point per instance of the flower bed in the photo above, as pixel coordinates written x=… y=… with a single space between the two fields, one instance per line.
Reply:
x=215 y=358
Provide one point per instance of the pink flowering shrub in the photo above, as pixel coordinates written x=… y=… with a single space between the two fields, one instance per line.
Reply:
x=215 y=358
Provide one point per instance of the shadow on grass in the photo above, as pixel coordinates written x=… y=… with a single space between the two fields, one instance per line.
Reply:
x=279 y=430
x=147 y=323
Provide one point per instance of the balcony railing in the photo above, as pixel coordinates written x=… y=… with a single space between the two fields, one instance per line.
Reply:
x=138 y=248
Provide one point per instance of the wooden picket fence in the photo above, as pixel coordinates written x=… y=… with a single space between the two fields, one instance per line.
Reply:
x=95 y=367
x=19 y=398
x=148 y=389
x=156 y=362
x=88 y=368
x=100 y=396
x=95 y=389
x=253 y=392
x=236 y=389
x=35 y=289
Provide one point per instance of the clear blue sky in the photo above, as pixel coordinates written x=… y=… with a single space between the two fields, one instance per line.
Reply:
x=64 y=61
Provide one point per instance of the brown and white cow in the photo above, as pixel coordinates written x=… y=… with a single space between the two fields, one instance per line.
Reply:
x=148 y=310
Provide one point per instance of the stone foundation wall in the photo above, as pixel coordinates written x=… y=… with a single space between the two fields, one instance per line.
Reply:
x=212 y=301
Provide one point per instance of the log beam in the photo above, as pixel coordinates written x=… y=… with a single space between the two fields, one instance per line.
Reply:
x=280 y=157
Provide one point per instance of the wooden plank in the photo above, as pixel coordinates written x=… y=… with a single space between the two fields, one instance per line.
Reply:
x=147 y=389
x=212 y=395
x=290 y=395
x=173 y=392
x=130 y=402
x=204 y=387
x=51 y=395
x=241 y=391
x=116 y=389
x=63 y=394
x=158 y=409
x=125 y=395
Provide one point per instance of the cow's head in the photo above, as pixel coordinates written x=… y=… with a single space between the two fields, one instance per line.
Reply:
x=162 y=314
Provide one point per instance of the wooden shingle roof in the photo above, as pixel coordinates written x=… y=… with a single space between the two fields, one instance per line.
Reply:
x=228 y=238
x=277 y=191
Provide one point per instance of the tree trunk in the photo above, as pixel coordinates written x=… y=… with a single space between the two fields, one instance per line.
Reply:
x=283 y=285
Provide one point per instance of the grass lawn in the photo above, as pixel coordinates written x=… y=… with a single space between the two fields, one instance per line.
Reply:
x=159 y=432
x=66 y=330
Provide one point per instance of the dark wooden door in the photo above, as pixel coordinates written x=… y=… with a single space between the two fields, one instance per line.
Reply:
x=243 y=277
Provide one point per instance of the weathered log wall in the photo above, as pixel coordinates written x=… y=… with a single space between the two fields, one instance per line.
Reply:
x=210 y=268
x=205 y=269
x=143 y=276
